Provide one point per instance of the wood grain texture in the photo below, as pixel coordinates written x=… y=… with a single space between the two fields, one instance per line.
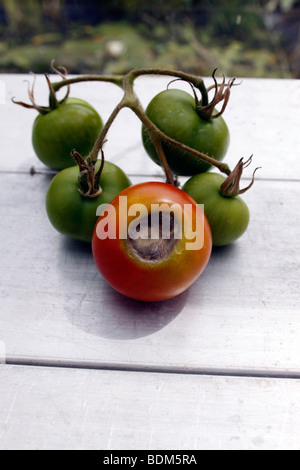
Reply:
x=242 y=313
x=46 y=409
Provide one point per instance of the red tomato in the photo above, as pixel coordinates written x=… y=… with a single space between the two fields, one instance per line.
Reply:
x=152 y=242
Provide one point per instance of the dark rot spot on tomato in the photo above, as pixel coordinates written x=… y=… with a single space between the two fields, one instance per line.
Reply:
x=152 y=245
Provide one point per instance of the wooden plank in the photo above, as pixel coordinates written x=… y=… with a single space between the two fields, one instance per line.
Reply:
x=69 y=409
x=262 y=115
x=241 y=316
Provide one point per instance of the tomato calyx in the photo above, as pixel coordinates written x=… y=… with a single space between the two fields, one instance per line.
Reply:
x=53 y=101
x=88 y=178
x=206 y=108
x=231 y=186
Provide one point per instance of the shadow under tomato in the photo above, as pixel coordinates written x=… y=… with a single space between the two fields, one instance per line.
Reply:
x=114 y=316
x=224 y=252
x=75 y=247
x=93 y=306
x=128 y=319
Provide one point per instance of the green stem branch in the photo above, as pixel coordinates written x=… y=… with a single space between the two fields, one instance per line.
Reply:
x=114 y=79
x=130 y=100
x=156 y=133
x=193 y=79
x=99 y=142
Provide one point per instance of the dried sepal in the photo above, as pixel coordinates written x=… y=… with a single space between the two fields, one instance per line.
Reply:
x=53 y=102
x=33 y=105
x=221 y=94
x=62 y=72
x=231 y=186
x=88 y=180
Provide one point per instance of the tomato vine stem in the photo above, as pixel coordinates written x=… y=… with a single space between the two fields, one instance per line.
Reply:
x=130 y=100
x=114 y=79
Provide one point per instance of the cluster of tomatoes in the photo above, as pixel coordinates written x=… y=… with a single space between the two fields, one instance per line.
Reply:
x=150 y=241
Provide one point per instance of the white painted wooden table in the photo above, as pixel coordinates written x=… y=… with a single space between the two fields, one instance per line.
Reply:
x=216 y=368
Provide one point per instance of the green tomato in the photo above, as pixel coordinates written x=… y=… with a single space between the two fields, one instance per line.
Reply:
x=74 y=124
x=74 y=215
x=174 y=113
x=228 y=217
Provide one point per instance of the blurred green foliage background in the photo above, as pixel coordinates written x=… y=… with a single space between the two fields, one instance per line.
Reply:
x=241 y=38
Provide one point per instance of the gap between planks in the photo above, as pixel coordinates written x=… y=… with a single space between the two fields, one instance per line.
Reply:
x=138 y=175
x=90 y=365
